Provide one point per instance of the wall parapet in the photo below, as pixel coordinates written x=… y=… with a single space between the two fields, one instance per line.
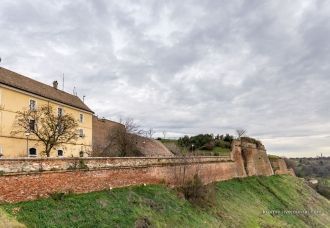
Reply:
x=34 y=165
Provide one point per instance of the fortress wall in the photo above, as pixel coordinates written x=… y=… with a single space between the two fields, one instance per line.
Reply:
x=31 y=178
x=251 y=160
x=28 y=165
x=279 y=167
x=23 y=186
x=101 y=133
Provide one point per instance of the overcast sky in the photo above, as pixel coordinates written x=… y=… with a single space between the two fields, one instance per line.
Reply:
x=185 y=67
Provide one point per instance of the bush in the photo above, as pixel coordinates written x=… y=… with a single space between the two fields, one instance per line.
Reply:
x=197 y=193
x=57 y=196
x=251 y=140
x=323 y=189
x=184 y=141
x=208 y=146
x=223 y=144
x=228 y=138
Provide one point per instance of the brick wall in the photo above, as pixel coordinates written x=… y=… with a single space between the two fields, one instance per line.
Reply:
x=31 y=178
x=250 y=159
x=29 y=185
x=29 y=165
x=101 y=130
x=279 y=167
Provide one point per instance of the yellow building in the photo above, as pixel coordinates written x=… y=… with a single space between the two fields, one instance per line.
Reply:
x=18 y=92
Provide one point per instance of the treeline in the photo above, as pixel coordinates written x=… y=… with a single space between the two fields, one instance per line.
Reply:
x=310 y=167
x=205 y=141
x=318 y=168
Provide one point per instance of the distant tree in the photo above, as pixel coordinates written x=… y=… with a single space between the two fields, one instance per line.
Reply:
x=51 y=128
x=228 y=138
x=184 y=141
x=240 y=133
x=149 y=133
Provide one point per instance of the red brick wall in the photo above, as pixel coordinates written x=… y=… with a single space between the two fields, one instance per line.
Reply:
x=279 y=167
x=28 y=179
x=29 y=186
x=103 y=127
x=101 y=130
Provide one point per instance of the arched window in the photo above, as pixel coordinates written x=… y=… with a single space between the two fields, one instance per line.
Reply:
x=81 y=153
x=60 y=153
x=32 y=152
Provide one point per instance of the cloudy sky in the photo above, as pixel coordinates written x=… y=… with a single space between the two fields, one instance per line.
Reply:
x=185 y=67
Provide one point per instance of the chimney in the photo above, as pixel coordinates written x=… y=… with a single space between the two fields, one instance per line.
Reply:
x=55 y=84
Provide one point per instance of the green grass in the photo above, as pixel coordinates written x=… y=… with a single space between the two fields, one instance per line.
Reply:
x=217 y=151
x=239 y=203
x=273 y=157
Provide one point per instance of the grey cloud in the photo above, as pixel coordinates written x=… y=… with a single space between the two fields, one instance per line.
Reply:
x=188 y=67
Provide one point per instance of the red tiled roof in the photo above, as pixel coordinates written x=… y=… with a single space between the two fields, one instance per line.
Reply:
x=15 y=80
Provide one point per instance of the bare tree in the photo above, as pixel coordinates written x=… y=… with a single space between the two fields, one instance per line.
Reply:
x=49 y=127
x=123 y=139
x=150 y=133
x=240 y=132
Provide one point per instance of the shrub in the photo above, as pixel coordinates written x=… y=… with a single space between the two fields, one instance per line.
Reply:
x=251 y=140
x=197 y=193
x=323 y=189
x=223 y=144
x=57 y=196
x=184 y=141
x=228 y=138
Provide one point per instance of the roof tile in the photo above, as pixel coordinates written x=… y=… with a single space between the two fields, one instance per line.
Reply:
x=24 y=83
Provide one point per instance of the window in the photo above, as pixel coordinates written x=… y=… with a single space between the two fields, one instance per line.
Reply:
x=60 y=111
x=81 y=119
x=81 y=133
x=1 y=154
x=81 y=153
x=32 y=152
x=32 y=125
x=60 y=153
x=32 y=105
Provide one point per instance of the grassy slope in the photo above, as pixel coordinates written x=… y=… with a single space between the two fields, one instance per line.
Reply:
x=239 y=203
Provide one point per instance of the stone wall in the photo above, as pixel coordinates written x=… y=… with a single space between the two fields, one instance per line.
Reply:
x=31 y=178
x=251 y=159
x=31 y=184
x=279 y=167
x=101 y=132
x=30 y=165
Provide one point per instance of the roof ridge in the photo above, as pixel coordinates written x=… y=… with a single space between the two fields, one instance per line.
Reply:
x=28 y=78
x=33 y=86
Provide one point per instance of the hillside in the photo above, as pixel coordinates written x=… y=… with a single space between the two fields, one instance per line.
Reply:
x=237 y=203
